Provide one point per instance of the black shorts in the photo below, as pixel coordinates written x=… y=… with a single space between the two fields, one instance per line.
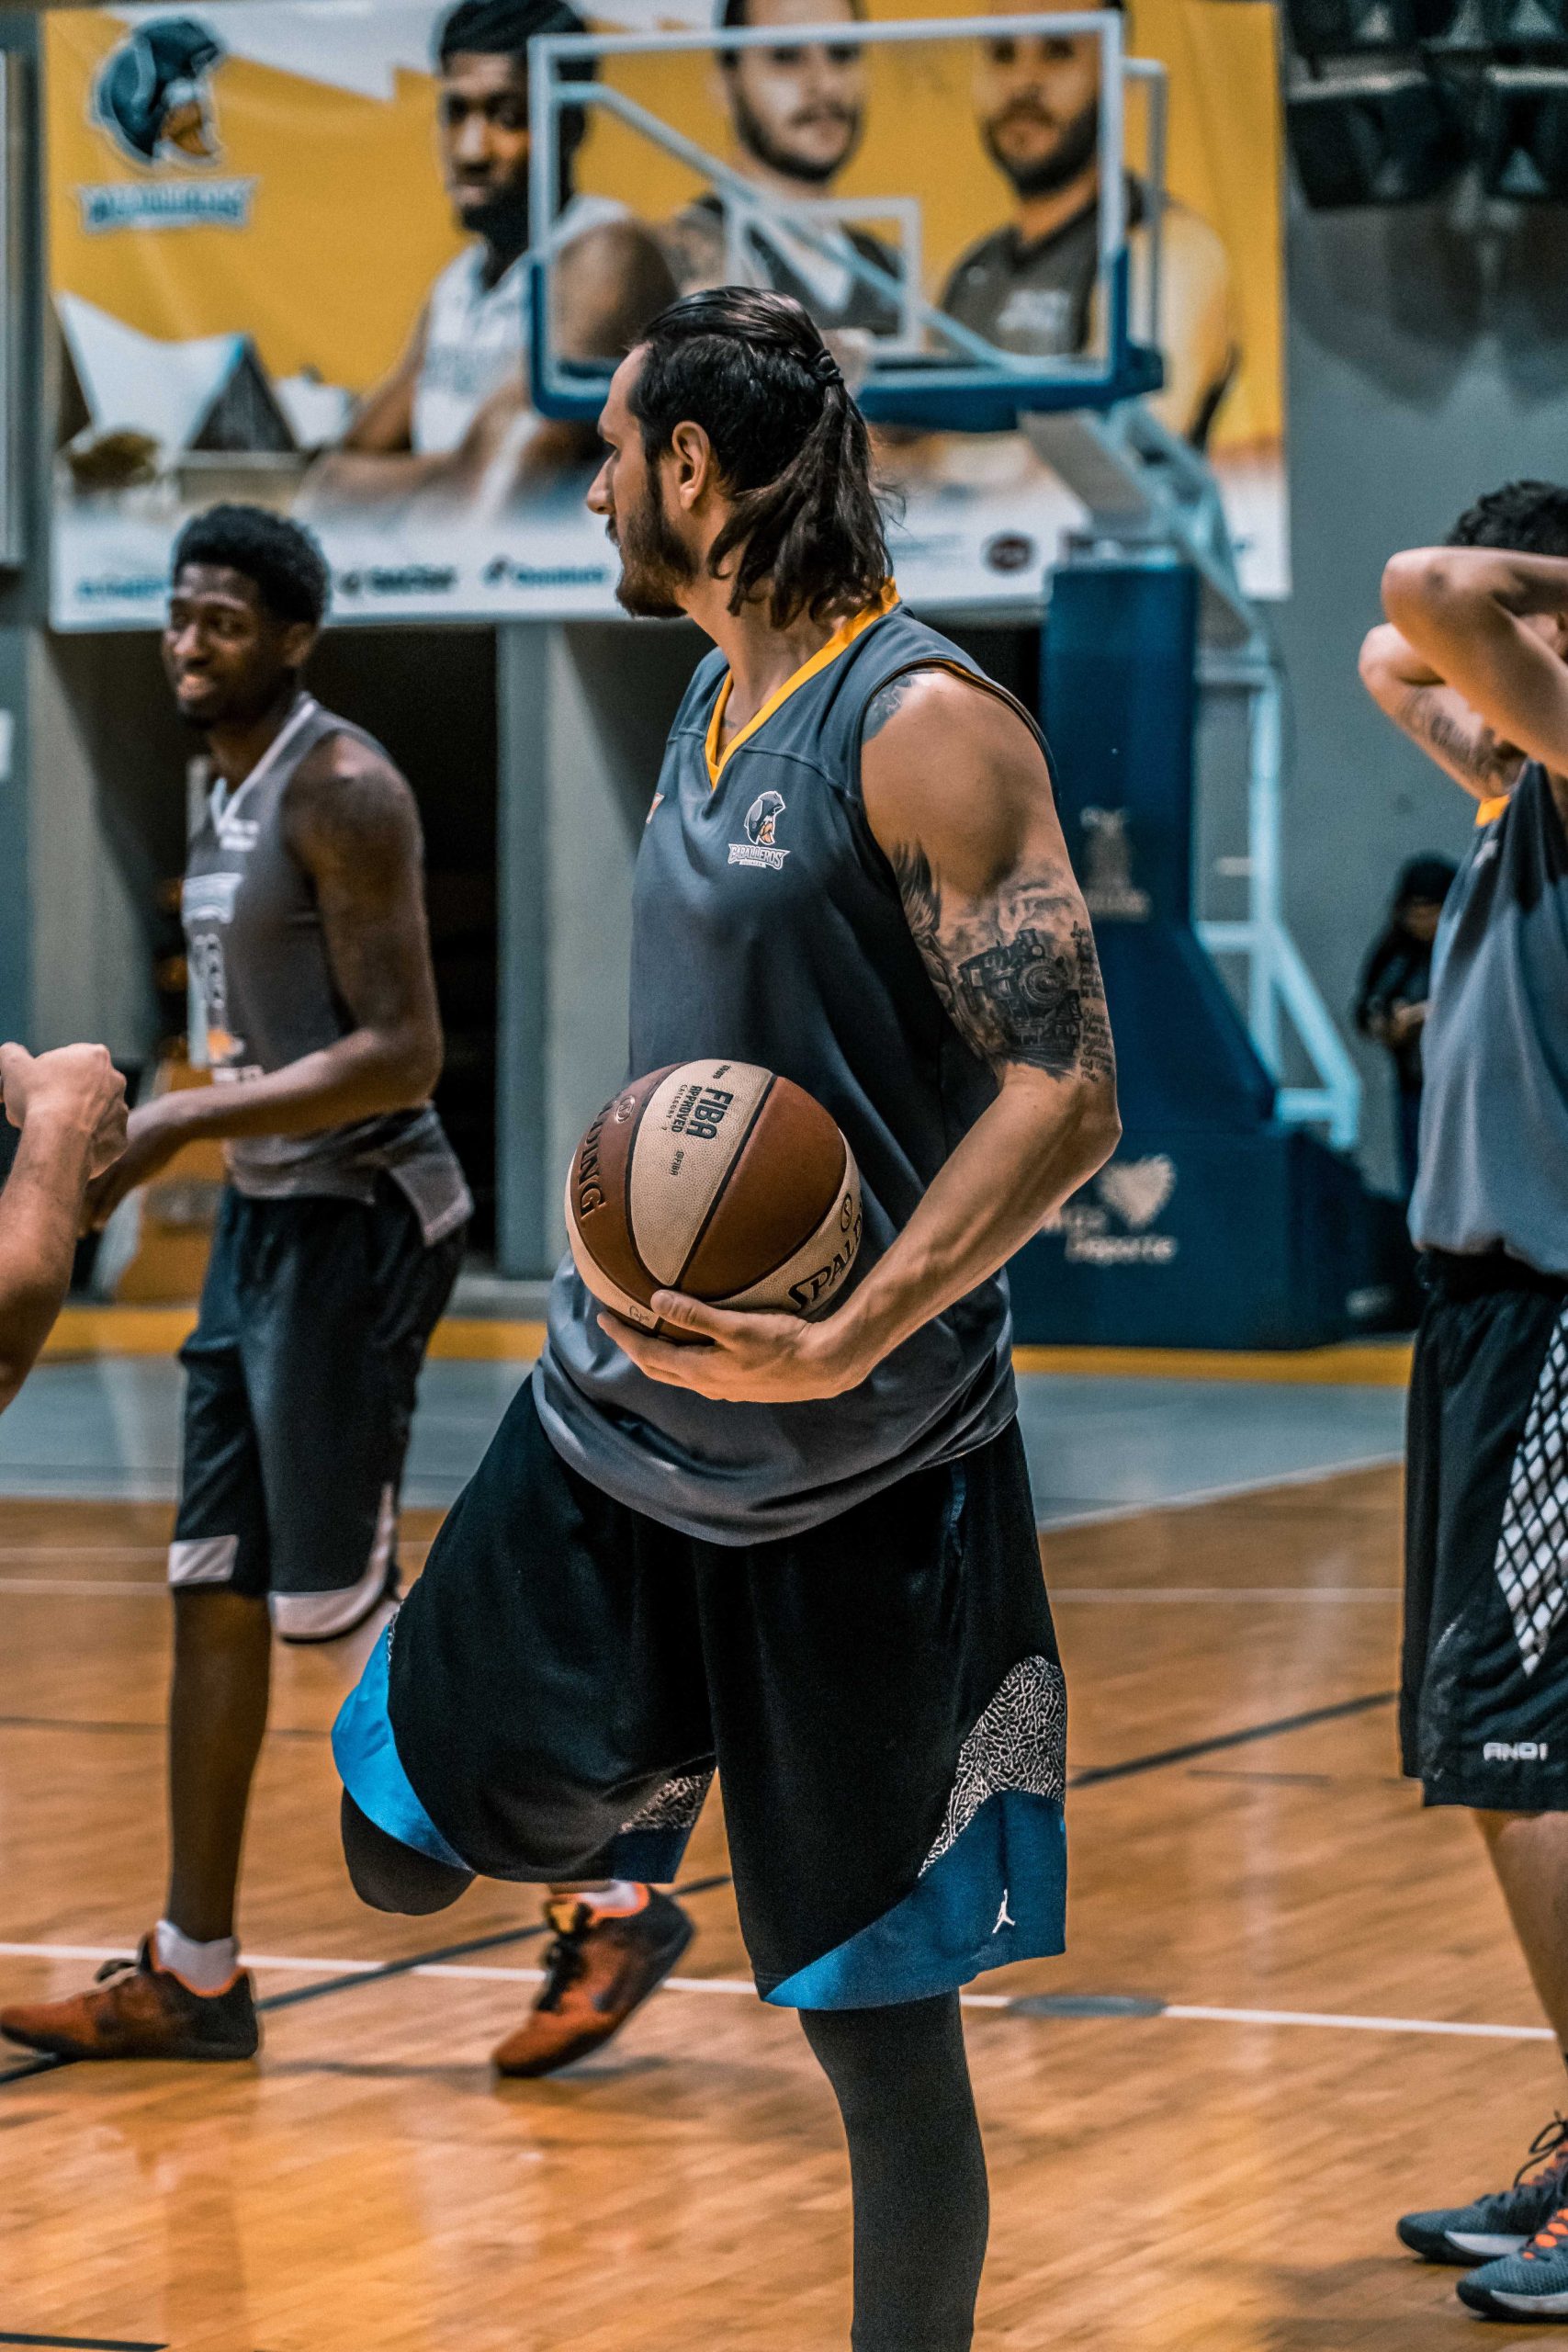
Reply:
x=1483 y=1706
x=881 y=1697
x=300 y=1391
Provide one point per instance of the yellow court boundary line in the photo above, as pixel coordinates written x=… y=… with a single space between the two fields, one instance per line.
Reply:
x=472 y=1339
x=1368 y=1364
x=161 y=1331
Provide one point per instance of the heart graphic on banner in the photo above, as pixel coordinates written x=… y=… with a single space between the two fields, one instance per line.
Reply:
x=1138 y=1189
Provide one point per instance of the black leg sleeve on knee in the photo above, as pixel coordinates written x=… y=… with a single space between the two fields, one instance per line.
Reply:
x=917 y=2168
x=391 y=1876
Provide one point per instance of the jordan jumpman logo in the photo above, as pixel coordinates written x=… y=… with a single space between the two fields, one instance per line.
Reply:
x=1004 y=1917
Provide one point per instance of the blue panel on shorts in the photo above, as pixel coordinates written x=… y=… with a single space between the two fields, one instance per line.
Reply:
x=371 y=1770
x=998 y=1894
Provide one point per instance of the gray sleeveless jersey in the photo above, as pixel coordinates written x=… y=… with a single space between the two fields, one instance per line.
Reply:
x=767 y=927
x=258 y=957
x=1493 y=1157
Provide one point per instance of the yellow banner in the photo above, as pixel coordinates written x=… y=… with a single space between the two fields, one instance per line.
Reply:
x=271 y=283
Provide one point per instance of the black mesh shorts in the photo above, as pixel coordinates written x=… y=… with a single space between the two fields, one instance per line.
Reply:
x=880 y=1695
x=1484 y=1702
x=300 y=1391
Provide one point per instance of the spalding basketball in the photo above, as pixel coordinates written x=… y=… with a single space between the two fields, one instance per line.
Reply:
x=717 y=1179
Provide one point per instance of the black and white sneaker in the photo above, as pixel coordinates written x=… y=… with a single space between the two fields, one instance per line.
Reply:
x=1496 y=2227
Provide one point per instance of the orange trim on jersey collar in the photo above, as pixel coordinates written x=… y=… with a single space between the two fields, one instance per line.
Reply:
x=842 y=638
x=1490 y=809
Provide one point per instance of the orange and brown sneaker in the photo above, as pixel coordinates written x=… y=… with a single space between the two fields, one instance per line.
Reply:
x=599 y=1969
x=142 y=2011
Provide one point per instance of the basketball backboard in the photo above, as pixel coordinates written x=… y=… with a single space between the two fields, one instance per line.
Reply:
x=895 y=187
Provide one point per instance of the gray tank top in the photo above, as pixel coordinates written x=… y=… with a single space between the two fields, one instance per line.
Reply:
x=767 y=927
x=266 y=996
x=1493 y=1154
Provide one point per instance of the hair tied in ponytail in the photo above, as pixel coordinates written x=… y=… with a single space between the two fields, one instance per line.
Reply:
x=751 y=367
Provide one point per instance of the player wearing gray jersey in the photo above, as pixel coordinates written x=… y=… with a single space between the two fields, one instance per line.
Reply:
x=338 y=1240
x=1473 y=664
x=803 y=1553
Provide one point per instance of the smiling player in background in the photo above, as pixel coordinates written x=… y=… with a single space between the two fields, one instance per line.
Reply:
x=338 y=1240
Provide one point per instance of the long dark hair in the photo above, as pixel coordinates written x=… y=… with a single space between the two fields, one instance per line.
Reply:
x=753 y=371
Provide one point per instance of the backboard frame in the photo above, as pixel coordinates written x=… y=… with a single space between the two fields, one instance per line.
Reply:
x=986 y=388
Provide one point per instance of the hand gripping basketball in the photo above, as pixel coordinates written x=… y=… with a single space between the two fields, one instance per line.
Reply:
x=719 y=1180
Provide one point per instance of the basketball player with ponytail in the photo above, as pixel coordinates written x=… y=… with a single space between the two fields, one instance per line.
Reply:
x=803 y=1552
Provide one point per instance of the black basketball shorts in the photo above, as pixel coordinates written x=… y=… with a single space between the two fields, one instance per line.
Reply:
x=1483 y=1706
x=881 y=1697
x=300 y=1392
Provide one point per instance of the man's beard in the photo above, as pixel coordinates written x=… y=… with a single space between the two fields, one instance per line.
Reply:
x=1072 y=154
x=502 y=219
x=654 y=564
x=758 y=141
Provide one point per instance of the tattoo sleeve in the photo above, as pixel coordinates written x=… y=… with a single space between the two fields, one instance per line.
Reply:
x=1472 y=749
x=1018 y=974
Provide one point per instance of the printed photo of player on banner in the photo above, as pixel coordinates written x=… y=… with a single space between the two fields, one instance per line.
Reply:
x=290 y=261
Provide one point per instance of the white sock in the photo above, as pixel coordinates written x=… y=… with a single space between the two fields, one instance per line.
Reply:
x=205 y=1968
x=614 y=1899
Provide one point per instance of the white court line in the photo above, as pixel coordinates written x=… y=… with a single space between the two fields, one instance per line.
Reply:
x=1358 y=2024
x=1185 y=2013
x=1106 y=1514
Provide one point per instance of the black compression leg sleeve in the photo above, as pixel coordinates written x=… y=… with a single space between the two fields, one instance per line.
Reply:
x=917 y=2169
x=391 y=1876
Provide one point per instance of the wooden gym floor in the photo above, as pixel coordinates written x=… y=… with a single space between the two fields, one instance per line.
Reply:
x=1316 y=2019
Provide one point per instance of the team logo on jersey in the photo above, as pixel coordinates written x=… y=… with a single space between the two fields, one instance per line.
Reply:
x=760 y=844
x=237 y=833
x=152 y=95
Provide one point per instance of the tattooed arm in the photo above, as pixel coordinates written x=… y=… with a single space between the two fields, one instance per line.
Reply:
x=958 y=795
x=1435 y=716
x=1494 y=627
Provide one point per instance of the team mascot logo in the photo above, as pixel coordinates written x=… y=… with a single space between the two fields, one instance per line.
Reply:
x=151 y=97
x=762 y=817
